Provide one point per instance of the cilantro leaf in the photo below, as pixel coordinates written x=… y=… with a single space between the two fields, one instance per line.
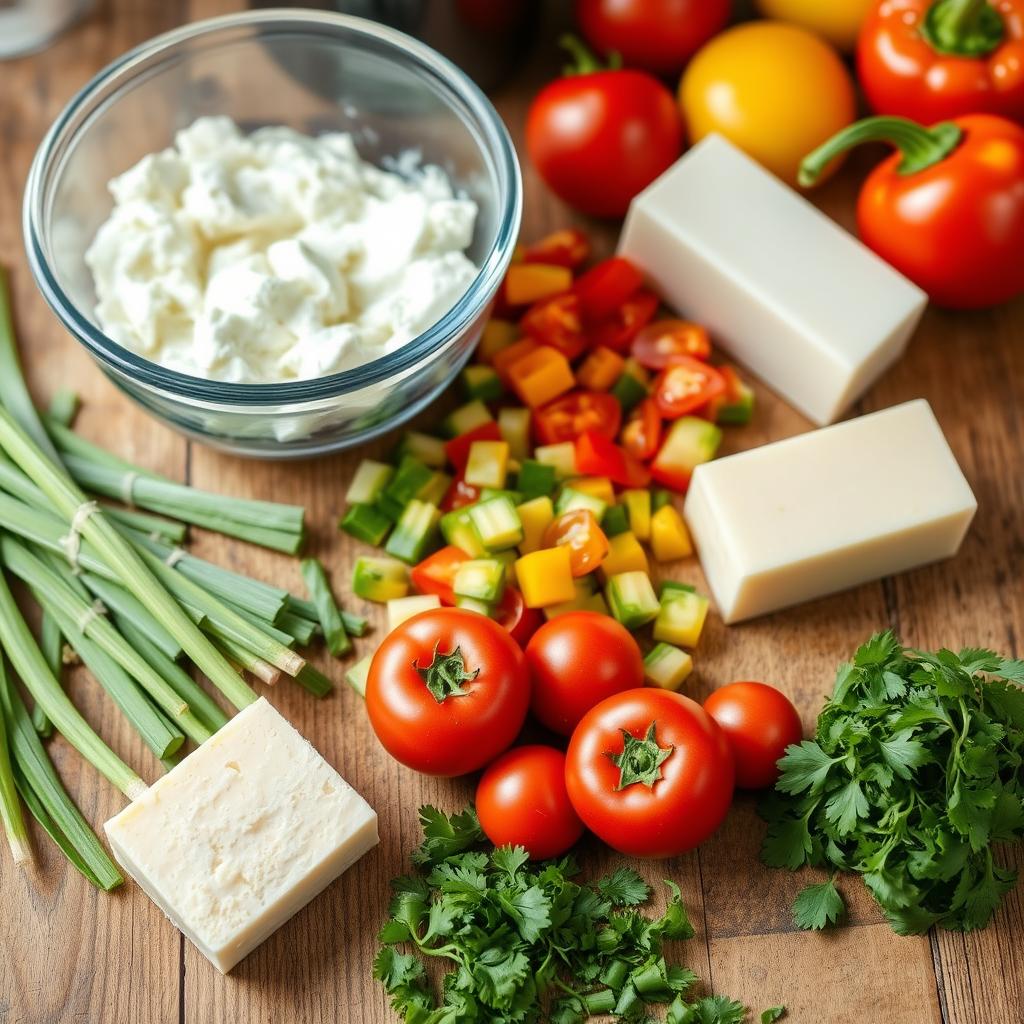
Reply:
x=804 y=766
x=772 y=1014
x=903 y=753
x=787 y=844
x=819 y=905
x=623 y=888
x=720 y=1010
x=846 y=806
x=443 y=836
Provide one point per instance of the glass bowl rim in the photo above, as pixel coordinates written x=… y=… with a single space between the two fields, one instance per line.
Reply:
x=201 y=390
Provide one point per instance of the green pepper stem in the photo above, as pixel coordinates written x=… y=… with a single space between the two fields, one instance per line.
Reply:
x=583 y=61
x=963 y=28
x=921 y=147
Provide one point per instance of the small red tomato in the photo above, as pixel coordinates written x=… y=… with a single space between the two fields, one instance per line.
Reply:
x=568 y=247
x=759 y=723
x=642 y=434
x=660 y=344
x=685 y=386
x=568 y=417
x=579 y=531
x=598 y=456
x=577 y=660
x=522 y=801
x=513 y=615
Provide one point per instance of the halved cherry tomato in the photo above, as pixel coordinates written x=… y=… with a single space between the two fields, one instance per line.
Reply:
x=567 y=417
x=596 y=455
x=435 y=574
x=642 y=434
x=685 y=386
x=660 y=344
x=520 y=621
x=556 y=322
x=568 y=247
x=457 y=449
x=606 y=286
x=579 y=531
x=618 y=330
x=459 y=495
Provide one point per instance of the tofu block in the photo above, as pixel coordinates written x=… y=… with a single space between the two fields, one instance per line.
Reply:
x=243 y=833
x=827 y=510
x=813 y=312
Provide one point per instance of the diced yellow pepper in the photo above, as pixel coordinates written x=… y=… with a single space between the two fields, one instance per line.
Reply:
x=596 y=486
x=624 y=555
x=545 y=577
x=669 y=537
x=600 y=370
x=526 y=283
x=497 y=335
x=540 y=375
x=638 y=506
x=487 y=465
x=536 y=516
x=504 y=358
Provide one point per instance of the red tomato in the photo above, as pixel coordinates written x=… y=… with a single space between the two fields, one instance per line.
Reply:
x=580 y=532
x=568 y=247
x=618 y=330
x=649 y=772
x=513 y=615
x=567 y=417
x=577 y=660
x=447 y=692
x=597 y=456
x=642 y=434
x=457 y=449
x=459 y=495
x=521 y=800
x=606 y=287
x=685 y=386
x=599 y=138
x=661 y=343
x=435 y=575
x=556 y=322
x=759 y=722
x=656 y=35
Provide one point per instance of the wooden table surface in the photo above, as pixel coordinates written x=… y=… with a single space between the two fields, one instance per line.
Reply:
x=70 y=953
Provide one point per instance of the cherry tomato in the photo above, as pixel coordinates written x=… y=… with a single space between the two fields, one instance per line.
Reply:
x=657 y=35
x=606 y=287
x=577 y=660
x=597 y=456
x=623 y=122
x=580 y=532
x=618 y=330
x=556 y=322
x=512 y=614
x=460 y=494
x=521 y=800
x=641 y=435
x=568 y=247
x=661 y=343
x=436 y=574
x=567 y=417
x=649 y=772
x=685 y=386
x=447 y=691
x=457 y=449
x=759 y=722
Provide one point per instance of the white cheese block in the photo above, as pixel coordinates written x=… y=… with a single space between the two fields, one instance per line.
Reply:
x=243 y=833
x=788 y=292
x=827 y=510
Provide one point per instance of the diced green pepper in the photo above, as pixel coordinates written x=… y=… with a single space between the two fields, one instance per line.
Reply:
x=535 y=480
x=570 y=499
x=409 y=480
x=481 y=382
x=632 y=599
x=629 y=391
x=415 y=532
x=480 y=578
x=497 y=523
x=466 y=418
x=457 y=529
x=660 y=498
x=615 y=520
x=379 y=579
x=366 y=523
x=667 y=666
x=681 y=617
x=369 y=479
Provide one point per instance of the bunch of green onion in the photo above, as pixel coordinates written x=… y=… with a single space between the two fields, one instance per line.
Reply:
x=117 y=590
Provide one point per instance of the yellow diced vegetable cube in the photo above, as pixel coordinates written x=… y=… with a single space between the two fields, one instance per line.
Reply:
x=638 y=506
x=514 y=425
x=400 y=609
x=596 y=486
x=487 y=465
x=624 y=555
x=545 y=577
x=562 y=456
x=536 y=516
x=498 y=334
x=669 y=537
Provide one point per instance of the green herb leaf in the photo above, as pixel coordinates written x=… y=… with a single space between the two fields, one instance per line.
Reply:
x=444 y=836
x=623 y=888
x=819 y=905
x=772 y=1014
x=804 y=766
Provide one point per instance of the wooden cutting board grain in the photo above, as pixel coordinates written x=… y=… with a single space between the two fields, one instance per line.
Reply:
x=72 y=954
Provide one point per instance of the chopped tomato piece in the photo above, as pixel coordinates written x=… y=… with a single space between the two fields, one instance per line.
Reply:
x=457 y=449
x=541 y=376
x=459 y=495
x=660 y=344
x=642 y=433
x=556 y=322
x=503 y=360
x=580 y=532
x=596 y=455
x=605 y=287
x=520 y=621
x=530 y=282
x=600 y=370
x=568 y=247
x=573 y=414
x=436 y=574
x=618 y=330
x=685 y=386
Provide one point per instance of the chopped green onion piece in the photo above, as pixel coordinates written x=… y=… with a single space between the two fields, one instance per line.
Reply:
x=330 y=619
x=64 y=407
x=314 y=681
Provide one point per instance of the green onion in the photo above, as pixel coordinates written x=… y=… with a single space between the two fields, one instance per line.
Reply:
x=247 y=660
x=355 y=625
x=129 y=610
x=302 y=629
x=51 y=643
x=10 y=806
x=313 y=680
x=63 y=407
x=327 y=611
x=156 y=526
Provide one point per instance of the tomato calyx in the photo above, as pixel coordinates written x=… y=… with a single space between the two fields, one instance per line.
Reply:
x=445 y=674
x=963 y=28
x=583 y=60
x=640 y=760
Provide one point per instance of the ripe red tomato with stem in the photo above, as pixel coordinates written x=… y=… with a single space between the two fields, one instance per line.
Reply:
x=577 y=660
x=447 y=691
x=521 y=800
x=650 y=773
x=759 y=723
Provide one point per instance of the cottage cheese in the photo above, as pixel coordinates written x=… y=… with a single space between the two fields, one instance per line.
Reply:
x=275 y=256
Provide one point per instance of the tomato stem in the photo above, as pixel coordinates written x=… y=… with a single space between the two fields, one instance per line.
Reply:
x=921 y=147
x=640 y=760
x=445 y=675
x=963 y=28
x=583 y=60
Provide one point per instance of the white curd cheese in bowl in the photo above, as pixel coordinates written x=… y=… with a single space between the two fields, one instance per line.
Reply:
x=275 y=256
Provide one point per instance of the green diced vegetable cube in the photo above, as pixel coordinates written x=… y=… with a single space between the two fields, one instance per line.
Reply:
x=660 y=498
x=514 y=426
x=681 y=617
x=667 y=666
x=481 y=382
x=516 y=497
x=632 y=599
x=508 y=558
x=535 y=480
x=480 y=578
x=415 y=532
x=629 y=391
x=410 y=478
x=466 y=418
x=497 y=523
x=366 y=523
x=436 y=489
x=690 y=442
x=402 y=608
x=569 y=499
x=389 y=507
x=473 y=605
x=428 y=450
x=369 y=479
x=379 y=579
x=561 y=456
x=358 y=673
x=457 y=528
x=669 y=587
x=615 y=520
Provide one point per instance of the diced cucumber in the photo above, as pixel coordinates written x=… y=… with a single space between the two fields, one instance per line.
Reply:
x=615 y=520
x=629 y=391
x=508 y=558
x=357 y=674
x=457 y=528
x=681 y=617
x=514 y=425
x=690 y=442
x=389 y=507
x=535 y=479
x=414 y=532
x=569 y=499
x=481 y=382
x=436 y=488
x=487 y=464
x=497 y=523
x=427 y=449
x=366 y=523
x=632 y=599
x=379 y=579
x=660 y=498
x=480 y=578
x=466 y=418
x=516 y=497
x=740 y=410
x=411 y=477
x=561 y=456
x=402 y=608
x=667 y=666
x=638 y=504
x=473 y=605
x=675 y=587
x=369 y=479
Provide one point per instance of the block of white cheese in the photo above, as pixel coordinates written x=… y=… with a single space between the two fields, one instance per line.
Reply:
x=813 y=312
x=827 y=510
x=244 y=832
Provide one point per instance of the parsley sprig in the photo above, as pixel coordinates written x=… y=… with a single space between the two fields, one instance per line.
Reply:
x=914 y=772
x=525 y=942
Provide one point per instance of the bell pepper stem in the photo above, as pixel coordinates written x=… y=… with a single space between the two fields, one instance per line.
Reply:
x=964 y=28
x=583 y=61
x=920 y=147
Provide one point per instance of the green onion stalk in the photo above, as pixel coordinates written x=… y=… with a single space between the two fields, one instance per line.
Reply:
x=327 y=610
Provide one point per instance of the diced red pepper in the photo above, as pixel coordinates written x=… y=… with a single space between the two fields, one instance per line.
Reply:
x=618 y=330
x=568 y=247
x=459 y=495
x=642 y=433
x=457 y=449
x=436 y=574
x=597 y=456
x=556 y=322
x=605 y=288
x=567 y=417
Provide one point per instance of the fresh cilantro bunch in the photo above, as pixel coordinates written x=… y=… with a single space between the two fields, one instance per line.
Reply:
x=524 y=942
x=915 y=771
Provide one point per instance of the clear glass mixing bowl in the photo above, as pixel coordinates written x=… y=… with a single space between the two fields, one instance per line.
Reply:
x=315 y=72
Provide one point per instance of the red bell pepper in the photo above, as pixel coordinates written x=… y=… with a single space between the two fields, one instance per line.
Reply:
x=605 y=287
x=597 y=456
x=457 y=449
x=556 y=322
x=459 y=494
x=436 y=574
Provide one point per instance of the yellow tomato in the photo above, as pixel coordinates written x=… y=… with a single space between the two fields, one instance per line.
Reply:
x=839 y=21
x=774 y=90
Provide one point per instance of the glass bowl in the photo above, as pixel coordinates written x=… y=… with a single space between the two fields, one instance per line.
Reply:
x=314 y=72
